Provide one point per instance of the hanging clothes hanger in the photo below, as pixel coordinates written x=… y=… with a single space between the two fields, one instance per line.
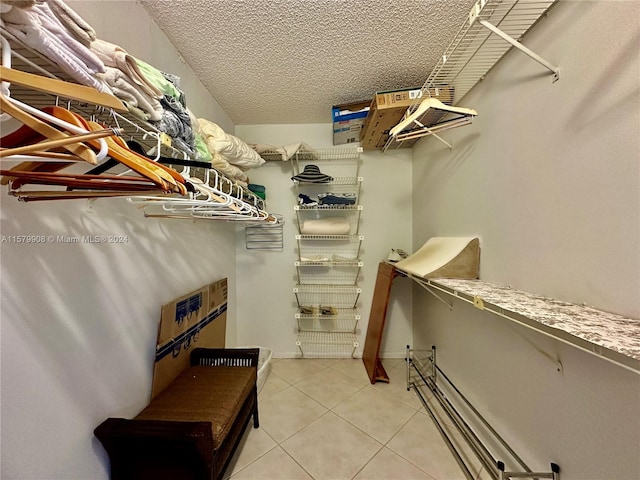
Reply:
x=60 y=88
x=43 y=147
x=79 y=149
x=77 y=181
x=141 y=165
x=30 y=196
x=415 y=123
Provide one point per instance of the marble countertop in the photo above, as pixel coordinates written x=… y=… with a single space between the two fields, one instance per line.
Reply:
x=587 y=327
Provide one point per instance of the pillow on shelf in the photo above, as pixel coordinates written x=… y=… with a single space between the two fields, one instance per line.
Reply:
x=326 y=226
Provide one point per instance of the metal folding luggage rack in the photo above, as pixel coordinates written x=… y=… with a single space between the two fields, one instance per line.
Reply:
x=423 y=373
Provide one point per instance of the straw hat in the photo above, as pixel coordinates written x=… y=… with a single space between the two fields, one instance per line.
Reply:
x=312 y=174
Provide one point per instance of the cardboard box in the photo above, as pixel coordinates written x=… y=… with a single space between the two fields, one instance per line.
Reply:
x=197 y=319
x=388 y=108
x=348 y=120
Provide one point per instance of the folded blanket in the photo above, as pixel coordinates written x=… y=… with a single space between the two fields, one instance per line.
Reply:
x=129 y=92
x=157 y=79
x=75 y=24
x=38 y=28
x=115 y=56
x=326 y=226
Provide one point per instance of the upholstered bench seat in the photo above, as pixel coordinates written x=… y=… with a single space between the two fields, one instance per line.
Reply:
x=192 y=428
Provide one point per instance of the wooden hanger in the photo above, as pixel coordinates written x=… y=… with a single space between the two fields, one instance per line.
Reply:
x=47 y=130
x=30 y=196
x=61 y=88
x=140 y=165
x=75 y=180
x=42 y=147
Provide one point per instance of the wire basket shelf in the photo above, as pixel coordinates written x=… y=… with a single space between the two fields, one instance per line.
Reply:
x=327 y=344
x=338 y=296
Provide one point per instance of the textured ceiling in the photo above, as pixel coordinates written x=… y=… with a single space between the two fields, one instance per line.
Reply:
x=289 y=61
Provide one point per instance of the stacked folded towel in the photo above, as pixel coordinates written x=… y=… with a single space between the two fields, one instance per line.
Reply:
x=126 y=80
x=38 y=27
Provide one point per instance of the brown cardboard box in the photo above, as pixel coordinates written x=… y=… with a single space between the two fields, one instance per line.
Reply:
x=388 y=108
x=198 y=319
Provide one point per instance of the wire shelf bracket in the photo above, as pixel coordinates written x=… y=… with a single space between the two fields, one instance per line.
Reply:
x=475 y=15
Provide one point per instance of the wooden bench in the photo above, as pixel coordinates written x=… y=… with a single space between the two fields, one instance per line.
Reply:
x=192 y=428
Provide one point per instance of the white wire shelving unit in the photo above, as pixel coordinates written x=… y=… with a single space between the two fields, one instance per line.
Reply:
x=328 y=265
x=490 y=30
x=327 y=320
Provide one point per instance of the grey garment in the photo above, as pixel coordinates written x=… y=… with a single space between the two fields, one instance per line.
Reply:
x=176 y=83
x=176 y=123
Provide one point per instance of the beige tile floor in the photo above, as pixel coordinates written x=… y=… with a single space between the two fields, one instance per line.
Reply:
x=322 y=419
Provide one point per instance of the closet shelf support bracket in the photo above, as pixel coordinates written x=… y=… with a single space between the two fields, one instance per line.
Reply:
x=428 y=288
x=527 y=51
x=474 y=15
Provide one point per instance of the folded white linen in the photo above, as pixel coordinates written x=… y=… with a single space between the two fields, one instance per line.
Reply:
x=126 y=90
x=115 y=56
x=326 y=226
x=39 y=29
x=74 y=23
x=51 y=23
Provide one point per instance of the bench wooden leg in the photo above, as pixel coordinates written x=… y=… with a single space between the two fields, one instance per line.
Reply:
x=256 y=421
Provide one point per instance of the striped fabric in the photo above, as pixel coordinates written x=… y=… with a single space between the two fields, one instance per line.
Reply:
x=312 y=174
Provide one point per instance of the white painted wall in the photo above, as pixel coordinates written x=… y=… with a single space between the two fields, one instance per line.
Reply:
x=266 y=303
x=548 y=177
x=79 y=321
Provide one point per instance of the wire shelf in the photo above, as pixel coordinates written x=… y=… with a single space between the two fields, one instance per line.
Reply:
x=337 y=181
x=327 y=344
x=334 y=319
x=338 y=296
x=474 y=50
x=265 y=236
x=329 y=154
x=340 y=208
x=341 y=162
x=349 y=215
x=341 y=238
x=324 y=246
x=330 y=272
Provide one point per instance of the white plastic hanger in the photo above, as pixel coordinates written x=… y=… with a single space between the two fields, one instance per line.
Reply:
x=427 y=105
